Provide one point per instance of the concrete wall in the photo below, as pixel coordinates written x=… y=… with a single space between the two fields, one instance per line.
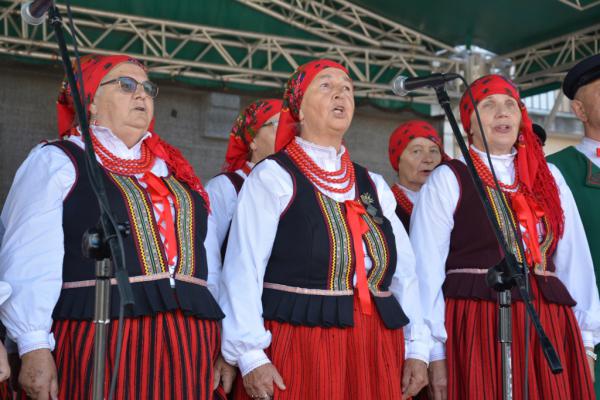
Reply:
x=565 y=131
x=557 y=142
x=194 y=120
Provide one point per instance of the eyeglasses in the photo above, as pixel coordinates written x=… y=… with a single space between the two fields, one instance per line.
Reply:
x=271 y=123
x=129 y=85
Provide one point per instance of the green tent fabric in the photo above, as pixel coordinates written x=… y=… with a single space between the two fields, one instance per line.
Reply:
x=499 y=26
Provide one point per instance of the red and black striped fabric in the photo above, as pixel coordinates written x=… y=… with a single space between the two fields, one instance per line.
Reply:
x=360 y=362
x=168 y=356
x=474 y=357
x=5 y=392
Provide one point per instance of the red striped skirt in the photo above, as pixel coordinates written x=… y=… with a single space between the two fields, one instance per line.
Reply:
x=362 y=362
x=164 y=356
x=474 y=357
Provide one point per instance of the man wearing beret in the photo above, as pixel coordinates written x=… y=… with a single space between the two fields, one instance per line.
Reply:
x=580 y=166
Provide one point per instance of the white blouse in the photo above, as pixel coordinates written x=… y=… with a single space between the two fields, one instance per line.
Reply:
x=223 y=199
x=264 y=196
x=5 y=291
x=411 y=194
x=31 y=256
x=432 y=223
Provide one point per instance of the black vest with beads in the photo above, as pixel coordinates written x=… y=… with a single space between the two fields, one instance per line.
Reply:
x=309 y=275
x=144 y=250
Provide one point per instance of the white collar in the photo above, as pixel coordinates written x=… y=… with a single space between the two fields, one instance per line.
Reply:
x=407 y=190
x=321 y=152
x=116 y=145
x=510 y=156
x=588 y=147
x=412 y=195
x=590 y=144
x=504 y=164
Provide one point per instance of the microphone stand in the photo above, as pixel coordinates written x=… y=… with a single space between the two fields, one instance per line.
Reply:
x=504 y=276
x=103 y=243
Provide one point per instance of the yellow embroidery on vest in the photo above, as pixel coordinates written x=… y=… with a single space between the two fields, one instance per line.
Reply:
x=341 y=258
x=184 y=227
x=143 y=230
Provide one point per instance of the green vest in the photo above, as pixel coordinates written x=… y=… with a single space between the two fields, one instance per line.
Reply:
x=583 y=178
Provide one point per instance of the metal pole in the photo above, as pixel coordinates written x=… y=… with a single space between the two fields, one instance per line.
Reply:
x=551 y=117
x=505 y=339
x=101 y=321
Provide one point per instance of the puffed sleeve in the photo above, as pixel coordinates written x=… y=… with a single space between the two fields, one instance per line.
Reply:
x=264 y=196
x=431 y=225
x=32 y=249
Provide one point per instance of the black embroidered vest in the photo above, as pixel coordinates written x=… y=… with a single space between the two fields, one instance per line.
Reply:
x=144 y=251
x=309 y=275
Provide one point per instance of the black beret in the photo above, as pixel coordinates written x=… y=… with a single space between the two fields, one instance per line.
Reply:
x=584 y=72
x=540 y=132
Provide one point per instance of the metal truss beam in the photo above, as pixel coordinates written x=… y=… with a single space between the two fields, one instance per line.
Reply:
x=342 y=22
x=580 y=5
x=204 y=52
x=175 y=49
x=547 y=62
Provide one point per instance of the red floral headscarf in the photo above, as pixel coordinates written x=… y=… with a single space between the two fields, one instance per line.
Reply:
x=408 y=131
x=244 y=130
x=292 y=98
x=93 y=69
x=534 y=175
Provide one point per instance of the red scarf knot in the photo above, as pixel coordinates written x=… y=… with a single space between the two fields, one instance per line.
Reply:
x=160 y=194
x=358 y=227
x=529 y=213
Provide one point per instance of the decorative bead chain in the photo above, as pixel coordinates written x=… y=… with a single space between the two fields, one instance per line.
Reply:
x=402 y=199
x=486 y=175
x=320 y=177
x=122 y=166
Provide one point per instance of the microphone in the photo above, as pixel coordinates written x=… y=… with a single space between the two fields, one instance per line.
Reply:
x=402 y=85
x=34 y=12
